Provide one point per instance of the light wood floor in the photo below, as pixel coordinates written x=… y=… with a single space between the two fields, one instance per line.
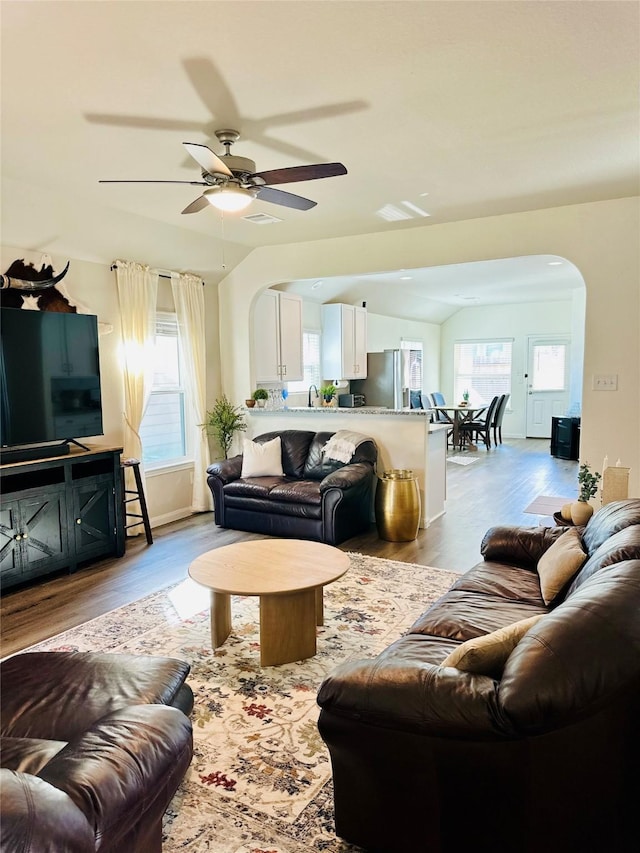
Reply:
x=493 y=490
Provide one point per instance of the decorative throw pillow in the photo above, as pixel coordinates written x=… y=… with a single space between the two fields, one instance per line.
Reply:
x=487 y=655
x=262 y=460
x=559 y=563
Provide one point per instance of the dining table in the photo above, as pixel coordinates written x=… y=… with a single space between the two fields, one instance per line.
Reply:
x=457 y=415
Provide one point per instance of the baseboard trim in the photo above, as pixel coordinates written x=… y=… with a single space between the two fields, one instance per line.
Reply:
x=168 y=517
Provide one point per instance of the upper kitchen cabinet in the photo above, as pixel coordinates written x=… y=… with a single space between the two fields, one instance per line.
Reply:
x=344 y=342
x=277 y=337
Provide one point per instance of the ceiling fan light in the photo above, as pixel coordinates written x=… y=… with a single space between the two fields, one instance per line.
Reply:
x=229 y=198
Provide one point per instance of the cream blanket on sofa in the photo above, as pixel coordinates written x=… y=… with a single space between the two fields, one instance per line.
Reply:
x=342 y=445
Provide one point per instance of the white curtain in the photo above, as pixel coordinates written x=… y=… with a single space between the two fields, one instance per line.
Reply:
x=137 y=295
x=188 y=297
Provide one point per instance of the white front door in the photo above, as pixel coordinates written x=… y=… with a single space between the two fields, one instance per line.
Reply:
x=547 y=383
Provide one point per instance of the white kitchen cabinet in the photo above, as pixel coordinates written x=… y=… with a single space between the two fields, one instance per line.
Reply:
x=277 y=337
x=344 y=342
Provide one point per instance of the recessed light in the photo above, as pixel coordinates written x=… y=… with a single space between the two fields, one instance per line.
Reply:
x=316 y=285
x=406 y=278
x=554 y=263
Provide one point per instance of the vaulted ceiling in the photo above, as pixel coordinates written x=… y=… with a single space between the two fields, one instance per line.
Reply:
x=440 y=111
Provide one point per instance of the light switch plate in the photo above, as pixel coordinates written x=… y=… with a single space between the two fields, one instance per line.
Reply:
x=605 y=382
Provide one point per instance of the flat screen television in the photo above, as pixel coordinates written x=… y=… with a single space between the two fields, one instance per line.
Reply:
x=49 y=377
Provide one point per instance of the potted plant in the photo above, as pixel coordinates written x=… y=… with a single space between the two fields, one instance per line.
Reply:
x=581 y=510
x=261 y=395
x=328 y=392
x=223 y=421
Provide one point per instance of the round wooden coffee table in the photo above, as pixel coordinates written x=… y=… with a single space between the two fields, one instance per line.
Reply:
x=288 y=575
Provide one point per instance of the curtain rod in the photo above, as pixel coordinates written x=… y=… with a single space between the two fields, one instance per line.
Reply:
x=161 y=272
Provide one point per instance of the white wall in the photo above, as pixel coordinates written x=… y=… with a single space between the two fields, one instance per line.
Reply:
x=578 y=313
x=602 y=239
x=500 y=321
x=388 y=332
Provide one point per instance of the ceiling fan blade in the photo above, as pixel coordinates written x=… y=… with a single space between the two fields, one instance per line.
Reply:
x=205 y=157
x=136 y=181
x=301 y=173
x=199 y=204
x=285 y=199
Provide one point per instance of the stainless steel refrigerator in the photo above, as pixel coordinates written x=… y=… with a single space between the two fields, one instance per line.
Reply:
x=384 y=383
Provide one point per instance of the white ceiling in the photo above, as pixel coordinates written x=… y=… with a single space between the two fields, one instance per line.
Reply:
x=435 y=293
x=462 y=109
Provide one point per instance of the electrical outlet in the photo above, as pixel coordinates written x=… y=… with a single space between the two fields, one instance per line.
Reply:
x=605 y=382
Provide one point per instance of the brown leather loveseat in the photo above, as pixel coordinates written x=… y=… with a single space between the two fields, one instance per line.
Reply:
x=537 y=751
x=94 y=747
x=316 y=497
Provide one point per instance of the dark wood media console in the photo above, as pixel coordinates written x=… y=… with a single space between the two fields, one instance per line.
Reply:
x=60 y=512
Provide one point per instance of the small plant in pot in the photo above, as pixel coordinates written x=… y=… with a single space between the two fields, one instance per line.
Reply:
x=223 y=421
x=328 y=392
x=261 y=395
x=581 y=510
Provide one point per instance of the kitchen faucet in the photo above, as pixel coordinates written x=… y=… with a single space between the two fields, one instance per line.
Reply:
x=317 y=395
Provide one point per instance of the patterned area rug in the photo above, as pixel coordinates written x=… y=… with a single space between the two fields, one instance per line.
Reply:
x=260 y=779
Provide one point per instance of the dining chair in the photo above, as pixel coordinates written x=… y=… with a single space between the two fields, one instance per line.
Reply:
x=498 y=416
x=437 y=399
x=480 y=428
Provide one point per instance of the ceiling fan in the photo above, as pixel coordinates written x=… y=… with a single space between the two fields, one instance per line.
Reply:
x=232 y=182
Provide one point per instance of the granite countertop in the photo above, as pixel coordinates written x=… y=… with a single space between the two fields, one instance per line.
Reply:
x=335 y=410
x=328 y=411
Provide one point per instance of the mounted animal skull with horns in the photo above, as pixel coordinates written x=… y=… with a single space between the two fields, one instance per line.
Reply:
x=23 y=286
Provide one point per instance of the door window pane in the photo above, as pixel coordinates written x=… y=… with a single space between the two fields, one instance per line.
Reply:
x=549 y=361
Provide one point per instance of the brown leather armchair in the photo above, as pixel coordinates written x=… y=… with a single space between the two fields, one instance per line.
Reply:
x=93 y=748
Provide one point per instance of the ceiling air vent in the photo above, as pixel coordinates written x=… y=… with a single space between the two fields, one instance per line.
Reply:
x=261 y=218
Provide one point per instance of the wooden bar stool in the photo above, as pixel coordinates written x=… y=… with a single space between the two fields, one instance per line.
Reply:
x=138 y=495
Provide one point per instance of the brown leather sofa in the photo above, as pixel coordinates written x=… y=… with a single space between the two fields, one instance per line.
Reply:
x=318 y=498
x=94 y=747
x=546 y=757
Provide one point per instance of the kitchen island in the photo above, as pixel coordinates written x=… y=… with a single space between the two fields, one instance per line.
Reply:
x=405 y=438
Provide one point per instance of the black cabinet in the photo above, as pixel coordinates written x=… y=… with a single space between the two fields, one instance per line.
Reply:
x=565 y=438
x=58 y=513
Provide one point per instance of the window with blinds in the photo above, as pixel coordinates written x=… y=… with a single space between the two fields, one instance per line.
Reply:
x=412 y=364
x=483 y=368
x=310 y=363
x=162 y=431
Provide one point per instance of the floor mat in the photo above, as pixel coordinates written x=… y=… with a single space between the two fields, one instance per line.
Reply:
x=462 y=460
x=547 y=504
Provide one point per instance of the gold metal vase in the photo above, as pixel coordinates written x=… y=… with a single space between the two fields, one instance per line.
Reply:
x=397 y=506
